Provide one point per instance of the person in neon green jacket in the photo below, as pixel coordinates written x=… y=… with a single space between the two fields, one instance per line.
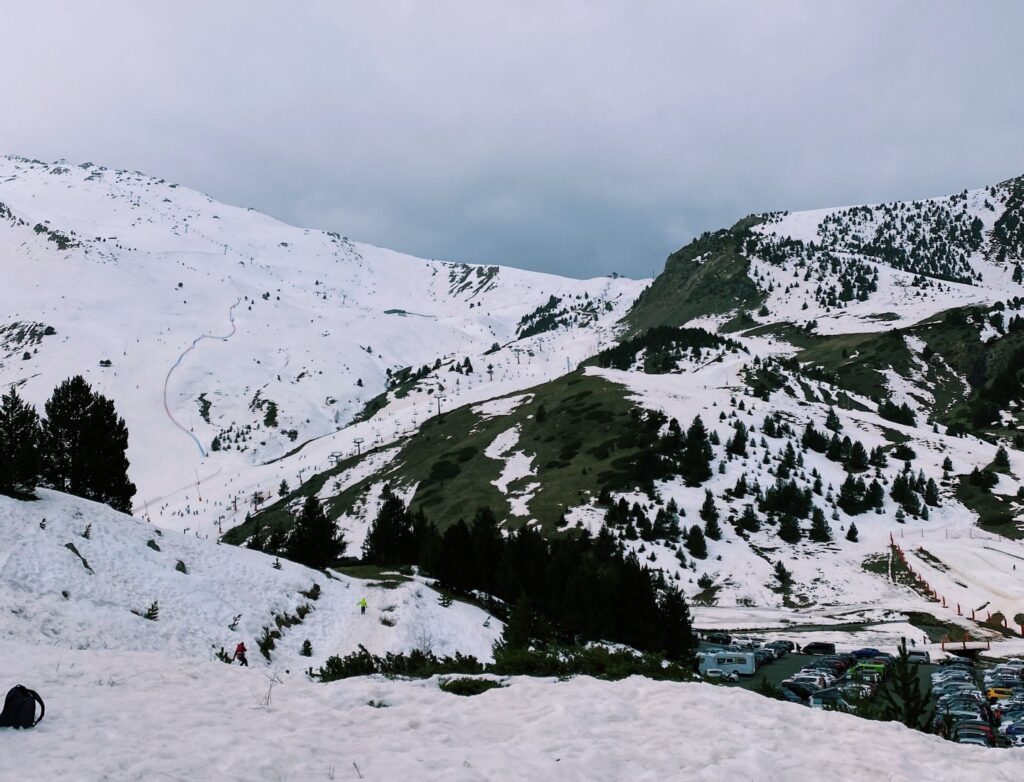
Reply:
x=362 y=605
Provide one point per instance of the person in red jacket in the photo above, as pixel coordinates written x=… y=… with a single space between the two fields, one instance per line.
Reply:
x=240 y=654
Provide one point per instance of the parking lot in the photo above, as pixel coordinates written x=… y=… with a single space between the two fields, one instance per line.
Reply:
x=973 y=703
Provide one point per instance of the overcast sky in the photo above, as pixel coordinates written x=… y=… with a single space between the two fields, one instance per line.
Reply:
x=572 y=137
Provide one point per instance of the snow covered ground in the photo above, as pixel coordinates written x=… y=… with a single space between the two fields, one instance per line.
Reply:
x=209 y=595
x=975 y=570
x=141 y=716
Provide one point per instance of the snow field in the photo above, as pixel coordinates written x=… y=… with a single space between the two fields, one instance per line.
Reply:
x=141 y=716
x=158 y=266
x=197 y=607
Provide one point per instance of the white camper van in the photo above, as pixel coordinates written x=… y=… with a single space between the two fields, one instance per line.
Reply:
x=742 y=663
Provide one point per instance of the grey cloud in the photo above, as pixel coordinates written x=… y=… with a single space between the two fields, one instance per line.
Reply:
x=574 y=137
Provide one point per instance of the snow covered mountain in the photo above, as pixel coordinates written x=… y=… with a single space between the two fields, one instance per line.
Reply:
x=893 y=328
x=850 y=367
x=228 y=339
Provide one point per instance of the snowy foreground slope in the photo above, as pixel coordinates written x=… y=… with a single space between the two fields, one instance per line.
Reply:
x=48 y=596
x=141 y=716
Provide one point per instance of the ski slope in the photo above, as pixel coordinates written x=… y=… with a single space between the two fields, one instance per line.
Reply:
x=219 y=322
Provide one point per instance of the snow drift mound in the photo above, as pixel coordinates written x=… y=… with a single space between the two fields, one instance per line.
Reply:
x=176 y=719
x=76 y=574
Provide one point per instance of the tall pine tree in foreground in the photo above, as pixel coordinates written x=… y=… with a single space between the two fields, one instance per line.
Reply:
x=85 y=444
x=902 y=698
x=391 y=540
x=315 y=540
x=19 y=446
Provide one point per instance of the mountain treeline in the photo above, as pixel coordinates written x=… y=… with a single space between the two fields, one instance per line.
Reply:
x=566 y=590
x=79 y=446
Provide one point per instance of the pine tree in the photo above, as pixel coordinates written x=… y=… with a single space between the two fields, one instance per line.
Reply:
x=1002 y=460
x=832 y=421
x=696 y=544
x=789 y=528
x=737 y=444
x=852 y=496
x=712 y=529
x=258 y=539
x=282 y=490
x=697 y=454
x=902 y=698
x=859 y=459
x=153 y=612
x=931 y=493
x=708 y=511
x=390 y=540
x=820 y=532
x=783 y=575
x=85 y=444
x=748 y=519
x=315 y=540
x=20 y=436
x=851 y=533
x=680 y=642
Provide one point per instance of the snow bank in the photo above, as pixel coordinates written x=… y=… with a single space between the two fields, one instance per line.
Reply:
x=48 y=596
x=124 y=716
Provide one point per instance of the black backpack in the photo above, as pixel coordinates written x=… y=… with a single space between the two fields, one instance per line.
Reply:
x=20 y=708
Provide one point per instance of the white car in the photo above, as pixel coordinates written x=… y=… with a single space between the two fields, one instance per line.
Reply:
x=718 y=673
x=975 y=740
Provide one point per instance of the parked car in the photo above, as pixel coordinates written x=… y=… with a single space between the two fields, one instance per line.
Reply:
x=998 y=693
x=717 y=674
x=718 y=638
x=819 y=647
x=866 y=654
x=955 y=660
x=830 y=698
x=763 y=656
x=919 y=656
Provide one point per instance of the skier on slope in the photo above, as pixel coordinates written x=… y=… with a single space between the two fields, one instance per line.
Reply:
x=240 y=654
x=362 y=605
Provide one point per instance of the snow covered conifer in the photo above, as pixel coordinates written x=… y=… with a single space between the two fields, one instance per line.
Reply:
x=851 y=533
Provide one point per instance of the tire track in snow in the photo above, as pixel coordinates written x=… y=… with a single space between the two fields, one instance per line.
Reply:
x=176 y=364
